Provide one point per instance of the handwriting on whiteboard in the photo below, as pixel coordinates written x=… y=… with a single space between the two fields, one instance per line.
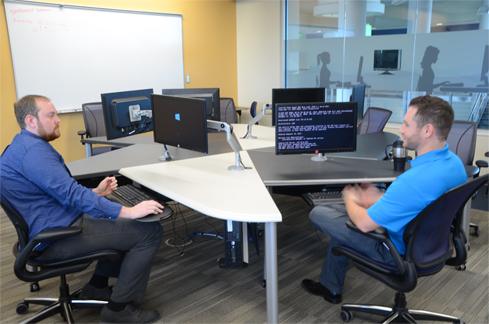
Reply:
x=39 y=23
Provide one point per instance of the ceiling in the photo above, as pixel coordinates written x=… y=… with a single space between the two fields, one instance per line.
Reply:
x=445 y=12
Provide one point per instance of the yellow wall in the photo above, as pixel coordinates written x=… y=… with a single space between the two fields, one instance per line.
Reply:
x=209 y=53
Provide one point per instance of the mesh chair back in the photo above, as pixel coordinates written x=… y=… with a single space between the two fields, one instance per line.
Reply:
x=94 y=119
x=428 y=237
x=374 y=120
x=19 y=224
x=461 y=140
x=228 y=111
x=253 y=109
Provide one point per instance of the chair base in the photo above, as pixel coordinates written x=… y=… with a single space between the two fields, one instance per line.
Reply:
x=62 y=306
x=397 y=314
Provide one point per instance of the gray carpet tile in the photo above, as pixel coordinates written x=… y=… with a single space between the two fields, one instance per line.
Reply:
x=187 y=285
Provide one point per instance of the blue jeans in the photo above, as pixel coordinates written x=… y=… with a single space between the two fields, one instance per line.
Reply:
x=331 y=219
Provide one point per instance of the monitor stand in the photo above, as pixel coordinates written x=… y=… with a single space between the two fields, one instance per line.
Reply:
x=167 y=157
x=319 y=157
x=221 y=126
x=253 y=121
x=386 y=73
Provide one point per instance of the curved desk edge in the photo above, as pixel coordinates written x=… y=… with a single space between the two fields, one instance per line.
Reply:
x=206 y=185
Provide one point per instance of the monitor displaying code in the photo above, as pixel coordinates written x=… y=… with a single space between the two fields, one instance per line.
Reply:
x=319 y=127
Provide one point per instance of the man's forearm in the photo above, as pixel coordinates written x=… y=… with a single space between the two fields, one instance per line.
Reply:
x=359 y=216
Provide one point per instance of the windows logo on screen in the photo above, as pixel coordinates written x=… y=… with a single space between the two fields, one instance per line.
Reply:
x=177 y=117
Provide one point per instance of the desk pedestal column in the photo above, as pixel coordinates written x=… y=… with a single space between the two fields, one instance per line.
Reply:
x=271 y=271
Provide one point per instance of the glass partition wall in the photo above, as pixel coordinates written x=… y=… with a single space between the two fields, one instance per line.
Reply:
x=399 y=48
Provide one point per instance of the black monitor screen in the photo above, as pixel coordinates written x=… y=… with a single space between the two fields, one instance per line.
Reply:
x=124 y=113
x=319 y=127
x=180 y=122
x=210 y=95
x=387 y=60
x=296 y=95
x=358 y=95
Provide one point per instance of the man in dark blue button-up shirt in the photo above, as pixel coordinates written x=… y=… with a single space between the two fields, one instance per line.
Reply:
x=36 y=183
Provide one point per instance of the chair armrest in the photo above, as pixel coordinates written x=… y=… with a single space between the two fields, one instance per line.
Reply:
x=380 y=234
x=54 y=268
x=82 y=133
x=46 y=236
x=481 y=163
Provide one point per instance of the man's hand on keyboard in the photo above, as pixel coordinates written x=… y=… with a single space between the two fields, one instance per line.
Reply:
x=106 y=187
x=370 y=194
x=142 y=209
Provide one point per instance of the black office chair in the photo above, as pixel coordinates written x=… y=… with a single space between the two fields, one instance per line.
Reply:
x=461 y=141
x=29 y=269
x=228 y=111
x=253 y=110
x=374 y=120
x=93 y=117
x=483 y=164
x=430 y=240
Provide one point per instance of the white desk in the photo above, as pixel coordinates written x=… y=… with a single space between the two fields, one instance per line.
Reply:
x=206 y=185
x=265 y=136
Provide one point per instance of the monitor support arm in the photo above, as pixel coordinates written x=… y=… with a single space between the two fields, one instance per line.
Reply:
x=255 y=119
x=221 y=126
x=167 y=157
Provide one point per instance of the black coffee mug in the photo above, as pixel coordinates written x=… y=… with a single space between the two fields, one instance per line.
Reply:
x=398 y=153
x=399 y=163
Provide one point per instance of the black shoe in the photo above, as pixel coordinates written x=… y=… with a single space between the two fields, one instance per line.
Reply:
x=130 y=314
x=317 y=289
x=90 y=292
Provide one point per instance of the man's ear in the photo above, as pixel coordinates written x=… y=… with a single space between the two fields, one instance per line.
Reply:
x=429 y=130
x=30 y=121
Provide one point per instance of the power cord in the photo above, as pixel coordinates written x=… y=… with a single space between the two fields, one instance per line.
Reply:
x=186 y=240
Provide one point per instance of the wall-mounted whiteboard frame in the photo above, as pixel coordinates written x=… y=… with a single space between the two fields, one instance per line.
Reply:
x=72 y=54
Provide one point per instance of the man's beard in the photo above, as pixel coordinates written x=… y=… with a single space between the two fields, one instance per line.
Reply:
x=48 y=137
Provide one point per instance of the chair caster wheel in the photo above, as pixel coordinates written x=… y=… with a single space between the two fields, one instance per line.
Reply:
x=346 y=315
x=264 y=283
x=461 y=267
x=35 y=286
x=22 y=308
x=477 y=232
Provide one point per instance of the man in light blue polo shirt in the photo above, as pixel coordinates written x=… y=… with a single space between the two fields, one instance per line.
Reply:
x=435 y=170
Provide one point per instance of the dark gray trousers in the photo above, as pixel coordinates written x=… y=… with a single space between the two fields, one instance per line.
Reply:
x=139 y=241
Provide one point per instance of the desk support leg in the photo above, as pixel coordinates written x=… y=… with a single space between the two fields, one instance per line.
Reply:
x=271 y=270
x=246 y=253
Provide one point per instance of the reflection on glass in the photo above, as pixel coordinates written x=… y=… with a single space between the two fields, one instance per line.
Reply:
x=425 y=82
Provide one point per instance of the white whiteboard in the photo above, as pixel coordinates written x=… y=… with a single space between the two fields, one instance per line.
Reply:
x=72 y=54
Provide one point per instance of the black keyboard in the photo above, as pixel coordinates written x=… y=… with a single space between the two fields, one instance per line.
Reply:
x=323 y=197
x=129 y=196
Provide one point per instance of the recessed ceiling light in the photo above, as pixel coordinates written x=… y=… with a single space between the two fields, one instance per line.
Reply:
x=439 y=24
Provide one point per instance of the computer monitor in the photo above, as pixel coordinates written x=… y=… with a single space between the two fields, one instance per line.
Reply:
x=211 y=96
x=485 y=66
x=180 y=122
x=387 y=60
x=296 y=95
x=318 y=127
x=358 y=95
x=127 y=113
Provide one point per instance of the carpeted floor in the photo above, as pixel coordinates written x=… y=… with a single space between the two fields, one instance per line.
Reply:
x=187 y=285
